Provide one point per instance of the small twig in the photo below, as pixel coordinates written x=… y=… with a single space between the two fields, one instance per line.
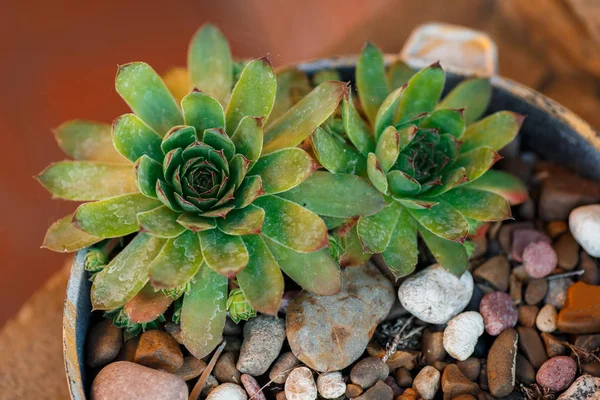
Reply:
x=271 y=381
x=198 y=386
x=399 y=337
x=580 y=352
x=565 y=275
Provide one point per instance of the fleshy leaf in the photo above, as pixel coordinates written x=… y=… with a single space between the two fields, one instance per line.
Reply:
x=250 y=189
x=450 y=255
x=146 y=94
x=387 y=111
x=315 y=272
x=292 y=85
x=284 y=169
x=202 y=112
x=388 y=148
x=402 y=253
x=334 y=195
x=291 y=225
x=126 y=274
x=375 y=231
x=87 y=141
x=243 y=221
x=371 y=80
x=478 y=204
x=148 y=172
x=209 y=63
x=133 y=138
x=416 y=204
x=196 y=223
x=471 y=94
x=238 y=166
x=477 y=162
x=261 y=280
x=253 y=94
x=160 y=222
x=398 y=74
x=325 y=75
x=203 y=312
x=444 y=221
x=450 y=179
x=354 y=255
x=506 y=185
x=445 y=120
x=356 y=129
x=304 y=117
x=87 y=180
x=177 y=82
x=422 y=93
x=225 y=254
x=401 y=184
x=248 y=138
x=375 y=173
x=406 y=135
x=177 y=262
x=113 y=217
x=64 y=237
x=495 y=131
x=178 y=136
x=147 y=305
x=334 y=154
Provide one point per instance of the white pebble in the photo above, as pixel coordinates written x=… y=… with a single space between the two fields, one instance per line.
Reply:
x=331 y=385
x=227 y=391
x=584 y=223
x=435 y=295
x=461 y=334
x=300 y=385
x=546 y=319
x=427 y=382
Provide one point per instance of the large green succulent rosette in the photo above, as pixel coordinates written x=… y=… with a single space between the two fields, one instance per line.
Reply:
x=201 y=182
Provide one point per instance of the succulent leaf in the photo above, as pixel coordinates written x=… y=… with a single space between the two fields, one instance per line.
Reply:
x=334 y=154
x=248 y=138
x=476 y=162
x=148 y=172
x=218 y=140
x=64 y=237
x=386 y=113
x=325 y=75
x=376 y=174
x=444 y=221
x=398 y=74
x=375 y=231
x=225 y=254
x=196 y=223
x=506 y=185
x=133 y=138
x=284 y=169
x=478 y=204
x=243 y=221
x=450 y=179
x=353 y=255
x=401 y=254
x=177 y=262
x=495 y=131
x=180 y=136
x=355 y=127
x=160 y=222
x=249 y=190
x=445 y=120
x=147 y=305
x=473 y=95
x=371 y=80
x=292 y=85
x=202 y=112
x=238 y=307
x=449 y=254
x=388 y=148
x=422 y=93
x=87 y=141
x=401 y=184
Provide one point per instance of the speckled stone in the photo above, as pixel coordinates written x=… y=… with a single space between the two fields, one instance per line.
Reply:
x=557 y=373
x=263 y=339
x=300 y=385
x=427 y=382
x=501 y=363
x=539 y=259
x=368 y=371
x=498 y=312
x=330 y=385
x=585 y=387
x=462 y=333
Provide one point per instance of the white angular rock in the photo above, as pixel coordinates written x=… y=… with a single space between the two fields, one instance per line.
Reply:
x=435 y=295
x=584 y=223
x=586 y=387
x=461 y=334
x=427 y=382
x=227 y=391
x=300 y=385
x=331 y=385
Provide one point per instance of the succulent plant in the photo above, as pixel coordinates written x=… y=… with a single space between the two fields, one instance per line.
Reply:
x=430 y=159
x=203 y=183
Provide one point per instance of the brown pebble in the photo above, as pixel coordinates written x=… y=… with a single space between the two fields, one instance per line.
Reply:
x=128 y=350
x=588 y=342
x=225 y=369
x=515 y=289
x=409 y=394
x=174 y=330
x=353 y=390
x=580 y=313
x=483 y=376
x=531 y=346
x=432 y=345
x=158 y=350
x=391 y=382
x=380 y=391
x=555 y=228
x=464 y=397
x=103 y=344
x=553 y=346
x=404 y=358
x=591 y=274
x=524 y=372
x=368 y=371
x=527 y=315
x=282 y=367
x=191 y=368
x=501 y=363
x=485 y=396
x=592 y=368
x=536 y=291
x=280 y=396
x=440 y=365
x=494 y=271
x=567 y=251
x=455 y=383
x=403 y=377
x=374 y=349
x=470 y=368
x=252 y=387
x=506 y=232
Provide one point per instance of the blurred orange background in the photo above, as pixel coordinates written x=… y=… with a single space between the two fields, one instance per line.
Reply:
x=59 y=59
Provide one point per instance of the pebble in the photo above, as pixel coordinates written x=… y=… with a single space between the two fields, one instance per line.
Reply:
x=536 y=291
x=505 y=234
x=252 y=387
x=557 y=291
x=427 y=382
x=191 y=368
x=331 y=385
x=368 y=371
x=403 y=377
x=483 y=376
x=300 y=385
x=435 y=295
x=521 y=238
x=103 y=344
x=556 y=228
x=498 y=312
x=210 y=384
x=585 y=387
x=564 y=191
x=432 y=346
x=409 y=394
x=404 y=358
x=225 y=370
x=263 y=338
x=553 y=346
x=515 y=289
x=464 y=397
x=282 y=367
x=158 y=350
x=524 y=370
x=567 y=251
x=584 y=223
x=531 y=346
x=501 y=364
x=581 y=313
x=528 y=315
x=462 y=333
x=454 y=383
x=391 y=382
x=592 y=368
x=127 y=380
x=591 y=274
x=539 y=259
x=380 y=391
x=546 y=319
x=470 y=368
x=328 y=333
x=557 y=373
x=227 y=391
x=174 y=330
x=353 y=390
x=588 y=342
x=494 y=271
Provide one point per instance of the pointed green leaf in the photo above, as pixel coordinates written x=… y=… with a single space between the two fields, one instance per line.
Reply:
x=284 y=169
x=444 y=221
x=292 y=85
x=334 y=195
x=219 y=140
x=331 y=222
x=133 y=139
x=291 y=225
x=113 y=217
x=401 y=184
x=180 y=136
x=506 y=185
x=248 y=138
x=87 y=180
x=406 y=135
x=225 y=254
x=253 y=94
x=402 y=253
x=325 y=75
x=209 y=63
x=356 y=129
x=495 y=131
x=445 y=120
x=422 y=93
x=146 y=94
x=387 y=111
x=148 y=172
x=477 y=162
x=376 y=230
x=478 y=204
x=126 y=274
x=304 y=117
x=388 y=148
x=177 y=262
x=398 y=74
x=166 y=195
x=87 y=141
x=450 y=255
x=64 y=237
x=354 y=255
x=473 y=95
x=196 y=223
x=203 y=312
x=218 y=212
x=160 y=222
x=147 y=305
x=243 y=221
x=238 y=166
x=376 y=175
x=250 y=189
x=261 y=281
x=450 y=179
x=202 y=112
x=334 y=154
x=371 y=80
x=416 y=204
x=315 y=272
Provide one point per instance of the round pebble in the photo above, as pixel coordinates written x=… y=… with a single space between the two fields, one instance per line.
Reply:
x=540 y=259
x=522 y=238
x=103 y=344
x=252 y=387
x=227 y=391
x=546 y=319
x=300 y=385
x=427 y=382
x=461 y=334
x=557 y=373
x=225 y=370
x=282 y=367
x=368 y=371
x=263 y=339
x=498 y=312
x=584 y=223
x=330 y=385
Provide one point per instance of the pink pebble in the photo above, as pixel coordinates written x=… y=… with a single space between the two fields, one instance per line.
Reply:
x=539 y=259
x=557 y=373
x=252 y=387
x=522 y=237
x=498 y=312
